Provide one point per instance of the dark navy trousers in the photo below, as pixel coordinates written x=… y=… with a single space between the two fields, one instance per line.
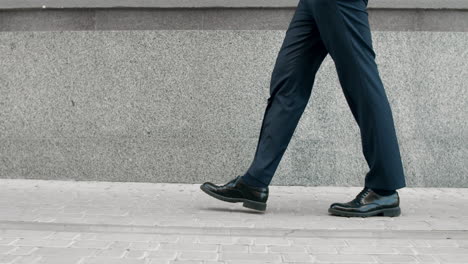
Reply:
x=339 y=28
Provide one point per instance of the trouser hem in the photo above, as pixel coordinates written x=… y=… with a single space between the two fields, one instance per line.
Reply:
x=249 y=180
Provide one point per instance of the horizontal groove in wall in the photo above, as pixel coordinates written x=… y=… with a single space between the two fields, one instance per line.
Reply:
x=215 y=19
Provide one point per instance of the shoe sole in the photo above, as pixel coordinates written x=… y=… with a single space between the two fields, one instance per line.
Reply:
x=245 y=202
x=390 y=212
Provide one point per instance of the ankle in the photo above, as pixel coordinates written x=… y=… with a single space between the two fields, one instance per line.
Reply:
x=252 y=182
x=383 y=192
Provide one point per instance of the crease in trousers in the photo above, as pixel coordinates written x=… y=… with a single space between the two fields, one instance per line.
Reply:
x=339 y=28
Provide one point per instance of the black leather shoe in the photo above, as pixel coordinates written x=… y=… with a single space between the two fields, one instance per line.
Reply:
x=237 y=191
x=368 y=203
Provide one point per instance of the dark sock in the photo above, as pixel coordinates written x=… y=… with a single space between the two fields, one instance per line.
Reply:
x=252 y=182
x=384 y=192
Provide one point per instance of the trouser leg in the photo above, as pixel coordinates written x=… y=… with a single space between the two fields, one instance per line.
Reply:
x=345 y=32
x=292 y=78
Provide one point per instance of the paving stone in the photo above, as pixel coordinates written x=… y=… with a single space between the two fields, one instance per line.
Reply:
x=367 y=250
x=7 y=240
x=297 y=257
x=57 y=260
x=43 y=242
x=7 y=259
x=197 y=255
x=426 y=259
x=14 y=233
x=462 y=243
x=395 y=259
x=452 y=258
x=65 y=252
x=442 y=251
x=235 y=248
x=405 y=250
x=124 y=237
x=324 y=248
x=32 y=259
x=111 y=252
x=186 y=262
x=189 y=247
x=258 y=249
x=245 y=240
x=22 y=250
x=162 y=254
x=144 y=245
x=92 y=244
x=137 y=254
x=216 y=240
x=64 y=235
x=101 y=260
x=334 y=258
x=259 y=257
x=271 y=241
x=442 y=243
x=380 y=242
x=5 y=249
x=318 y=241
x=285 y=249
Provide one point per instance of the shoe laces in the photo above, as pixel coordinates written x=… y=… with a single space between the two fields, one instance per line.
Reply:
x=362 y=194
x=234 y=180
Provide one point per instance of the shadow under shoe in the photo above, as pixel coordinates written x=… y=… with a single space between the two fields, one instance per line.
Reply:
x=368 y=203
x=236 y=190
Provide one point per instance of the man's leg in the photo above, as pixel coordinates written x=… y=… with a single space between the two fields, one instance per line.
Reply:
x=344 y=29
x=299 y=58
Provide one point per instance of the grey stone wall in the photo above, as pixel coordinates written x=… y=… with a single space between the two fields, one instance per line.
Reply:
x=181 y=100
x=387 y=4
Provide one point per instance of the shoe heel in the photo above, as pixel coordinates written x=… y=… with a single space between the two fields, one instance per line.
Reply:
x=392 y=212
x=255 y=205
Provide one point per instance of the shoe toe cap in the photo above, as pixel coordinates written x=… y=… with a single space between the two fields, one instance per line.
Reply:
x=339 y=206
x=208 y=186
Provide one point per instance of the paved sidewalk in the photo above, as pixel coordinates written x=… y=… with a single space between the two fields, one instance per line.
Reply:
x=106 y=223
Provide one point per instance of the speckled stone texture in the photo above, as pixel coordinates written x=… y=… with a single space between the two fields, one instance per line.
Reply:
x=445 y=20
x=186 y=106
